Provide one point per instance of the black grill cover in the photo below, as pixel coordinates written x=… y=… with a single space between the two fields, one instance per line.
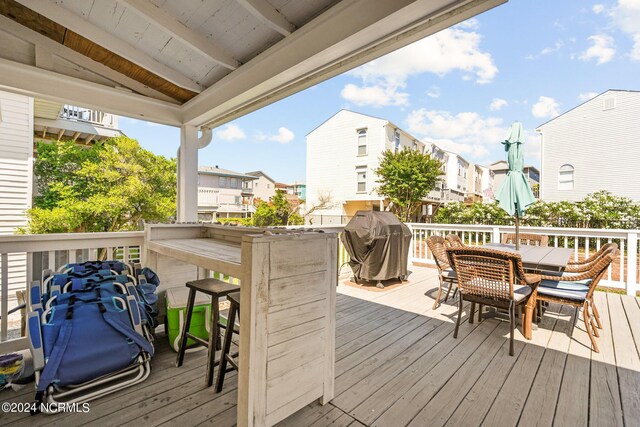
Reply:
x=378 y=243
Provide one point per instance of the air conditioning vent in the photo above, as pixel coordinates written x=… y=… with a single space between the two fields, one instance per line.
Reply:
x=608 y=104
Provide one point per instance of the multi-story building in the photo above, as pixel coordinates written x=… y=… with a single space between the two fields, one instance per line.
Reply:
x=342 y=154
x=487 y=180
x=224 y=194
x=594 y=146
x=264 y=187
x=300 y=189
x=500 y=169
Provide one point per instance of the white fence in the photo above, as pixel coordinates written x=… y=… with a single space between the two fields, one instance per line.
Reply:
x=51 y=251
x=622 y=274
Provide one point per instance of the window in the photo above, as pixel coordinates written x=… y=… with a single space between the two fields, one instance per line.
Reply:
x=362 y=142
x=223 y=182
x=362 y=180
x=565 y=177
x=396 y=140
x=233 y=183
x=237 y=200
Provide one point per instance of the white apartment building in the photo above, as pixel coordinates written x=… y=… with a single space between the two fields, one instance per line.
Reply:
x=224 y=194
x=342 y=154
x=263 y=187
x=595 y=146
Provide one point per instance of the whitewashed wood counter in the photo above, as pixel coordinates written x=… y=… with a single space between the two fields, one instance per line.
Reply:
x=287 y=316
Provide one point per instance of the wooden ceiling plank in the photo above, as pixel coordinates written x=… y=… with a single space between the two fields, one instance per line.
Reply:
x=47 y=47
x=183 y=33
x=266 y=13
x=109 y=42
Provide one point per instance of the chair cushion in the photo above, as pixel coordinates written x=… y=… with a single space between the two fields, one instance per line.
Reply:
x=566 y=273
x=521 y=292
x=558 y=292
x=566 y=285
x=449 y=274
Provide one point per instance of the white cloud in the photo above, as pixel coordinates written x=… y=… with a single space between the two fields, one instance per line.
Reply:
x=375 y=95
x=546 y=107
x=469 y=24
x=598 y=8
x=230 y=132
x=434 y=92
x=583 y=97
x=547 y=50
x=498 y=104
x=284 y=136
x=383 y=80
x=602 y=49
x=626 y=17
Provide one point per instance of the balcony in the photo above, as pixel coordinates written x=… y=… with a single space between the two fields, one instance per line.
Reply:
x=383 y=339
x=247 y=192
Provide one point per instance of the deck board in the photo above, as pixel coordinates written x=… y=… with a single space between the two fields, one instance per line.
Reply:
x=397 y=363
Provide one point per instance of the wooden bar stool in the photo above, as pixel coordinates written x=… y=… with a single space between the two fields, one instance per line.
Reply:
x=225 y=356
x=216 y=289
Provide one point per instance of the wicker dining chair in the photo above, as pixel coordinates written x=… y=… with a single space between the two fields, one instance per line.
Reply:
x=526 y=239
x=493 y=278
x=577 y=291
x=584 y=265
x=437 y=246
x=454 y=241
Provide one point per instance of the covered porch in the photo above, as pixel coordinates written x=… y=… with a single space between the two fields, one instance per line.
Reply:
x=397 y=363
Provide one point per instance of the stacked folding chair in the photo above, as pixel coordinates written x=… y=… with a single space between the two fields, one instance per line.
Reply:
x=90 y=328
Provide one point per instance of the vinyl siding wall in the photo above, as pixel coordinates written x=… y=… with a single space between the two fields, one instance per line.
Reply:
x=16 y=158
x=602 y=146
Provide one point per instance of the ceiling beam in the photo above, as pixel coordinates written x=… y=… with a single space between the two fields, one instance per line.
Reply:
x=183 y=33
x=345 y=36
x=108 y=41
x=45 y=49
x=44 y=84
x=269 y=15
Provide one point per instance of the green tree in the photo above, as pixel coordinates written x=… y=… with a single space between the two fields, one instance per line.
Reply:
x=406 y=177
x=280 y=211
x=109 y=186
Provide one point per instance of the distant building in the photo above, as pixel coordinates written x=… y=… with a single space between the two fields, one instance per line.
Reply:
x=224 y=194
x=594 y=146
x=500 y=169
x=264 y=187
x=300 y=190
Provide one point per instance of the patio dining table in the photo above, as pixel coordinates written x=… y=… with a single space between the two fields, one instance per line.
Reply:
x=536 y=259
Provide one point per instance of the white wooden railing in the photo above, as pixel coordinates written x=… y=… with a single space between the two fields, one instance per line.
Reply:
x=622 y=274
x=71 y=112
x=23 y=256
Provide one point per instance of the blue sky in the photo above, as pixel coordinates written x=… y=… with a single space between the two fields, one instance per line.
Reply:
x=526 y=60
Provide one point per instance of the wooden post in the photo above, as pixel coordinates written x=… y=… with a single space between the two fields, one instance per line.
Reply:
x=187 y=199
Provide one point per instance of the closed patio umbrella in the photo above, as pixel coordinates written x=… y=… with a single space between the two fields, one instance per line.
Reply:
x=515 y=195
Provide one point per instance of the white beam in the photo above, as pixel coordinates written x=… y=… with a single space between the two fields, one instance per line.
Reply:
x=46 y=48
x=109 y=41
x=266 y=13
x=183 y=33
x=32 y=81
x=349 y=34
x=187 y=199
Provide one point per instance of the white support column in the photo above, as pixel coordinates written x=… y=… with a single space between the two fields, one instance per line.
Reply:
x=632 y=260
x=187 y=198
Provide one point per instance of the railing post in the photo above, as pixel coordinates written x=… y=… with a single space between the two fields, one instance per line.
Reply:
x=632 y=262
x=495 y=235
x=412 y=242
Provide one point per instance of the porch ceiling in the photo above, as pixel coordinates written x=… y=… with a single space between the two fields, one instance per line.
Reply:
x=202 y=63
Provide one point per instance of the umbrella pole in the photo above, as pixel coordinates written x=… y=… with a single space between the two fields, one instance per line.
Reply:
x=517 y=231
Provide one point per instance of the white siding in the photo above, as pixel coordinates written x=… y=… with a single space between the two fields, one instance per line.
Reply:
x=263 y=188
x=332 y=158
x=603 y=146
x=16 y=157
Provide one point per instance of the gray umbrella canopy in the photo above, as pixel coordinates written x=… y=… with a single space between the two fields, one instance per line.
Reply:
x=515 y=195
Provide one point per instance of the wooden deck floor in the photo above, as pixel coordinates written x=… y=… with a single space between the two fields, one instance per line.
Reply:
x=398 y=364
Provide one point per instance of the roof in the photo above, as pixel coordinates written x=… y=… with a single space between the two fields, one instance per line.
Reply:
x=581 y=104
x=259 y=174
x=209 y=170
x=203 y=63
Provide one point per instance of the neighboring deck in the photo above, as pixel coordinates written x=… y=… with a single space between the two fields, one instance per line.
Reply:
x=398 y=364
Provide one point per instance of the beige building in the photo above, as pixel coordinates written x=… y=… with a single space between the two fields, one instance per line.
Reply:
x=263 y=187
